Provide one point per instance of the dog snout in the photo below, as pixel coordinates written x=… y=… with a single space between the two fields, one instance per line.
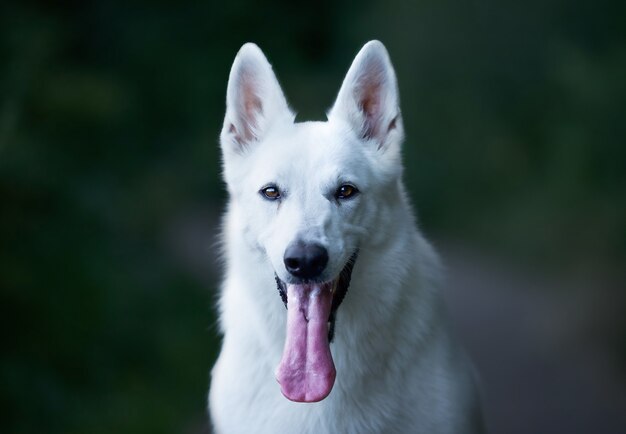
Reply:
x=305 y=261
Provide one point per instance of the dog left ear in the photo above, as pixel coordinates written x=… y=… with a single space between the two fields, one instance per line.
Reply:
x=254 y=100
x=368 y=99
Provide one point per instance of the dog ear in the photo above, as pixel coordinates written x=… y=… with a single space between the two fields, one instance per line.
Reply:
x=254 y=99
x=368 y=99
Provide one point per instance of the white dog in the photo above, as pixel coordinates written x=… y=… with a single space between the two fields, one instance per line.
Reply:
x=319 y=223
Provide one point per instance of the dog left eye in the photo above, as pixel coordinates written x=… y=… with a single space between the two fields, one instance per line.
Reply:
x=271 y=192
x=346 y=191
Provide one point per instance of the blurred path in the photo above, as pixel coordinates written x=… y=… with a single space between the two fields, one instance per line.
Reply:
x=538 y=344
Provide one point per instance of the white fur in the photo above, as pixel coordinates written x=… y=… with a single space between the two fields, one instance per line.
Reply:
x=398 y=370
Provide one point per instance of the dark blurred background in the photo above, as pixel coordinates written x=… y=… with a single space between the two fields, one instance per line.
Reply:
x=110 y=195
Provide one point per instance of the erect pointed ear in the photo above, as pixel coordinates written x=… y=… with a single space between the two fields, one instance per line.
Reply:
x=368 y=99
x=254 y=100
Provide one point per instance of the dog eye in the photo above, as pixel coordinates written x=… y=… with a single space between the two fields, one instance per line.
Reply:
x=271 y=192
x=346 y=191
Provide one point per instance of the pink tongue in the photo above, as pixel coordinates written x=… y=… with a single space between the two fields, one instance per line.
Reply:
x=306 y=372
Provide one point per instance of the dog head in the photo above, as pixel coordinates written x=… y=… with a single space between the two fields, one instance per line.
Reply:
x=310 y=195
x=314 y=190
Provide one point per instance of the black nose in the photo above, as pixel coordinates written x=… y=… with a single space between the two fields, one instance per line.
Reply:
x=305 y=261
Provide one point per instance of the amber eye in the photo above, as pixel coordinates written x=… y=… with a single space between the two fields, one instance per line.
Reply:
x=270 y=192
x=346 y=191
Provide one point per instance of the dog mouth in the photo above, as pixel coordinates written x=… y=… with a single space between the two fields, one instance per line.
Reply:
x=306 y=372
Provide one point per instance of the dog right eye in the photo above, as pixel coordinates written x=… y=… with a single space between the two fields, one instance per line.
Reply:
x=271 y=192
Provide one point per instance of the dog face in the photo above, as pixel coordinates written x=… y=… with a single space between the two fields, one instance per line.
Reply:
x=312 y=192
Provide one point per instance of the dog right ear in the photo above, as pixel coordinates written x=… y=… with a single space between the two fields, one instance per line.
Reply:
x=254 y=99
x=368 y=99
